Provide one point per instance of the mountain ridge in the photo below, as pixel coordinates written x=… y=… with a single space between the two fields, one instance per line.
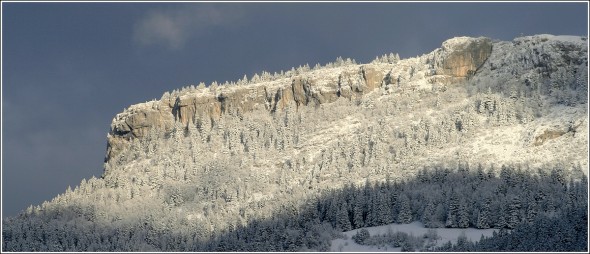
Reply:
x=457 y=60
x=201 y=162
x=460 y=57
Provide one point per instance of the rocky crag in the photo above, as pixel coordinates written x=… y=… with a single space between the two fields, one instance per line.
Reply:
x=458 y=59
x=452 y=65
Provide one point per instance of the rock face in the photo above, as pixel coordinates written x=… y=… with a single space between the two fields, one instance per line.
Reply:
x=458 y=58
x=463 y=56
x=191 y=108
x=209 y=106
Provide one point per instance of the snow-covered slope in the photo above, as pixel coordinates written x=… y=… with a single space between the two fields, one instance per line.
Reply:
x=417 y=229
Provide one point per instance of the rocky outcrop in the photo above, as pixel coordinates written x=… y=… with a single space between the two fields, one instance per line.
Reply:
x=557 y=131
x=458 y=58
x=195 y=107
x=463 y=56
x=187 y=108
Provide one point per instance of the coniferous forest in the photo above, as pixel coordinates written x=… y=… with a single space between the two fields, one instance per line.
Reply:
x=527 y=208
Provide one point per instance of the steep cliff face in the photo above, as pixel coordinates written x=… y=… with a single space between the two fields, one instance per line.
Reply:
x=457 y=59
x=462 y=56
x=300 y=90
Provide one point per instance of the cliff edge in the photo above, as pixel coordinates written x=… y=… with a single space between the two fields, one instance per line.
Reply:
x=458 y=59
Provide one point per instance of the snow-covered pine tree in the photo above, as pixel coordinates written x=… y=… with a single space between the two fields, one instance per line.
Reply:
x=342 y=219
x=483 y=215
x=359 y=211
x=513 y=213
x=405 y=212
x=452 y=211
x=463 y=216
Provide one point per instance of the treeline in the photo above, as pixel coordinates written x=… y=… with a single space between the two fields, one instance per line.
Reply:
x=266 y=76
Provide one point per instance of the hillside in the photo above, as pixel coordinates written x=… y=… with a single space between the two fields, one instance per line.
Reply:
x=203 y=161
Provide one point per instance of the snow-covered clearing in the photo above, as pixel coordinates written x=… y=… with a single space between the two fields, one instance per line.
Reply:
x=415 y=228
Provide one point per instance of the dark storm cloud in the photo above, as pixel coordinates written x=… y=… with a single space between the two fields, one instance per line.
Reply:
x=69 y=68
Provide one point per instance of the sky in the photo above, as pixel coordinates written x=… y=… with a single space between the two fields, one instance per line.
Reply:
x=69 y=68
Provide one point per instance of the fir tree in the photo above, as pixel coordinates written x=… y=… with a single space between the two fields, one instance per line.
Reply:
x=513 y=213
x=405 y=212
x=463 y=216
x=452 y=212
x=429 y=215
x=359 y=211
x=343 y=222
x=483 y=215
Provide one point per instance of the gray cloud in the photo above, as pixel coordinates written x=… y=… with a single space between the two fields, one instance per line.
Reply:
x=172 y=28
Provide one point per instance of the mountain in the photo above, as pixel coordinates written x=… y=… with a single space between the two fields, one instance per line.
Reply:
x=185 y=171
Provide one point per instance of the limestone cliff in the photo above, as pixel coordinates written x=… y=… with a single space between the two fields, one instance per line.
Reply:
x=462 y=56
x=456 y=60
